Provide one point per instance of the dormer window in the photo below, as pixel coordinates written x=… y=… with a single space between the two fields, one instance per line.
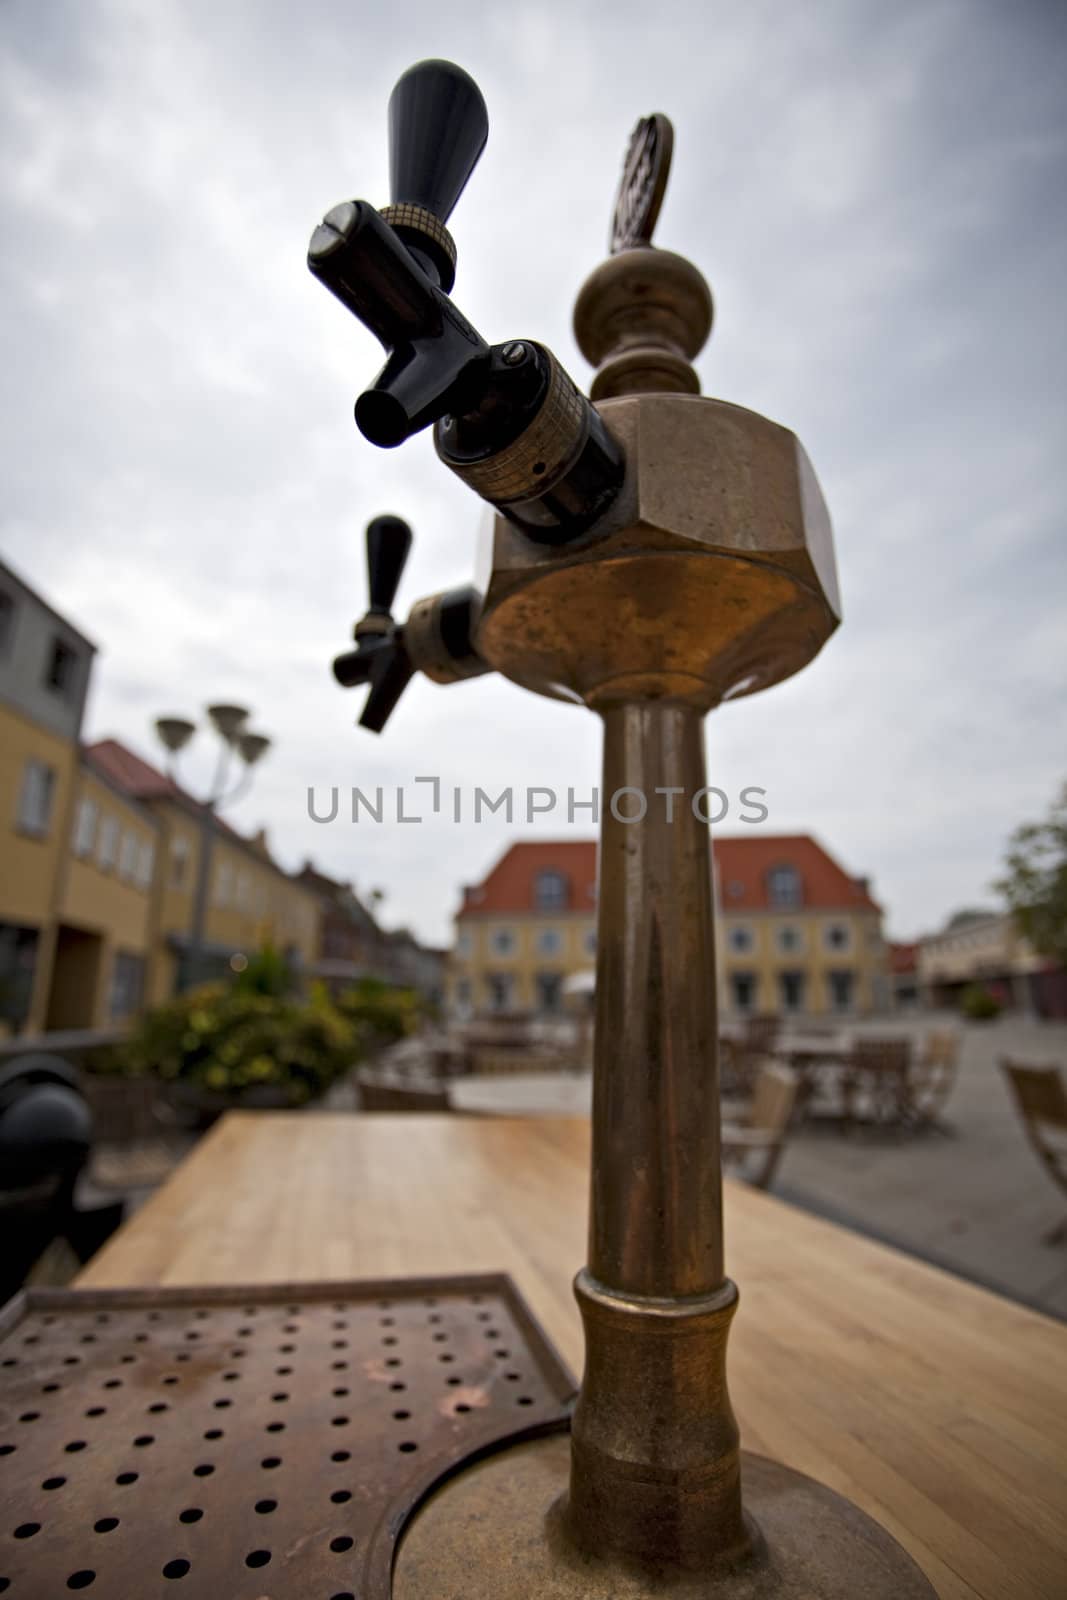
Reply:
x=550 y=890
x=62 y=666
x=784 y=889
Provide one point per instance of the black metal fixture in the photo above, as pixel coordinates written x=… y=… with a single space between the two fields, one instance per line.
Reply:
x=507 y=418
x=437 y=638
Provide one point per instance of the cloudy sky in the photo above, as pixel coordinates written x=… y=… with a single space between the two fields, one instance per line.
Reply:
x=875 y=194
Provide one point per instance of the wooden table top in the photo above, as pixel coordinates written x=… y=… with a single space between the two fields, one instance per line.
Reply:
x=940 y=1408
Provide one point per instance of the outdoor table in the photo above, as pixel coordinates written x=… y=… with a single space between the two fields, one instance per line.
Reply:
x=523 y=1094
x=939 y=1407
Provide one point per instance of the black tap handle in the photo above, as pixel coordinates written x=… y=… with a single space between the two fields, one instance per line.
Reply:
x=388 y=548
x=391 y=672
x=438 y=126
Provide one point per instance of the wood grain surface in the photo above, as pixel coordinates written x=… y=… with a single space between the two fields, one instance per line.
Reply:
x=938 y=1407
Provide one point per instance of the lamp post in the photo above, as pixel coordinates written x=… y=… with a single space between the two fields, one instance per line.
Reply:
x=236 y=742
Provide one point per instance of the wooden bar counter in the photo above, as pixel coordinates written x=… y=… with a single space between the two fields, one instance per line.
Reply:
x=938 y=1407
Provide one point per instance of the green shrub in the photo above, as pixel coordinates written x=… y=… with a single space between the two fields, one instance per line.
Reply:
x=230 y=1040
x=979 y=1004
x=379 y=1013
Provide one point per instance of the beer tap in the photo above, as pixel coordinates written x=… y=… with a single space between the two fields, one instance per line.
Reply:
x=437 y=638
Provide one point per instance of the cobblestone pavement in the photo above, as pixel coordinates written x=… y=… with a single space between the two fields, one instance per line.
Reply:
x=972 y=1198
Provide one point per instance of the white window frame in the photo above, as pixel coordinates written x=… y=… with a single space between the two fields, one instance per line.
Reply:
x=146 y=860
x=829 y=941
x=107 y=843
x=790 y=939
x=128 y=850
x=36 y=798
x=85 y=827
x=549 y=941
x=740 y=939
x=180 y=855
x=222 y=897
x=502 y=941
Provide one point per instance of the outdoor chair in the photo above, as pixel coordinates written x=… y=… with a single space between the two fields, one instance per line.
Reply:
x=874 y=1083
x=932 y=1076
x=761 y=1135
x=1041 y=1099
x=376 y=1094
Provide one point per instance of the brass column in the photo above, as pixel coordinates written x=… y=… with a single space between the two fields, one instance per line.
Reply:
x=655 y=1470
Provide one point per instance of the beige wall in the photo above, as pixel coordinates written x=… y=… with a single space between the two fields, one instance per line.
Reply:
x=800 y=941
x=29 y=862
x=476 y=956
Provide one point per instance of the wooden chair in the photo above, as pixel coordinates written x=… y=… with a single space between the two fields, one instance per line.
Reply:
x=932 y=1076
x=874 y=1082
x=763 y=1131
x=1041 y=1100
x=400 y=1095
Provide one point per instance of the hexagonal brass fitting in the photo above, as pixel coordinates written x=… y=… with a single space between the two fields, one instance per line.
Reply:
x=712 y=575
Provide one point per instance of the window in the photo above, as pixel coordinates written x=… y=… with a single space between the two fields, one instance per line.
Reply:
x=783 y=887
x=463 y=942
x=502 y=942
x=146 y=859
x=740 y=939
x=128 y=857
x=841 y=986
x=549 y=991
x=18 y=957
x=837 y=936
x=549 y=941
x=85 y=827
x=127 y=985
x=463 y=995
x=223 y=885
x=550 y=890
x=791 y=989
x=7 y=620
x=107 y=844
x=743 y=990
x=244 y=892
x=790 y=938
x=500 y=986
x=179 y=862
x=62 y=669
x=590 y=942
x=36 y=798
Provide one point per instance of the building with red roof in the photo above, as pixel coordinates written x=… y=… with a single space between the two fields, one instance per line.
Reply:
x=796 y=931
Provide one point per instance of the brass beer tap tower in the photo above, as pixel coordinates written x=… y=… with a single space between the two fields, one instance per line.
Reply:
x=655 y=552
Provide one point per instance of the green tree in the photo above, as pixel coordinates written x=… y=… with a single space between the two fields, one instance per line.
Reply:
x=1035 y=881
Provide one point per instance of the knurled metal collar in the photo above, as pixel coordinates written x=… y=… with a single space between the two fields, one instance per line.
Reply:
x=419 y=220
x=540 y=455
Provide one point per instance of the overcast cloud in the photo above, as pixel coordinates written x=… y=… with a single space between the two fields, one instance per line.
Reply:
x=875 y=194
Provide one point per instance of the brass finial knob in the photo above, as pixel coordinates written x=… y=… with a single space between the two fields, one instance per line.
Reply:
x=643 y=314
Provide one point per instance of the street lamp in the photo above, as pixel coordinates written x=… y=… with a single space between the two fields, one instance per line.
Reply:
x=175 y=734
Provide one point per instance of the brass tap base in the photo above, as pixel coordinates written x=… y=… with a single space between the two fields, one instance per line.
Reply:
x=499 y=1529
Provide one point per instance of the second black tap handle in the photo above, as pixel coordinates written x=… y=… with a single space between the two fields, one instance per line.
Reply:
x=438 y=126
x=388 y=548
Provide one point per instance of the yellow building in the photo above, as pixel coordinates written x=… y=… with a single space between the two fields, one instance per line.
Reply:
x=212 y=876
x=44 y=677
x=796 y=933
x=116 y=889
x=525 y=930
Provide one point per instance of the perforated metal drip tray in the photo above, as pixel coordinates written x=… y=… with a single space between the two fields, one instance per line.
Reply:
x=250 y=1444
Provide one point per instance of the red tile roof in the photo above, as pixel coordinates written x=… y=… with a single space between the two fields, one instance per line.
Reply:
x=743 y=863
x=142 y=781
x=130 y=773
x=511 y=883
x=903 y=957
